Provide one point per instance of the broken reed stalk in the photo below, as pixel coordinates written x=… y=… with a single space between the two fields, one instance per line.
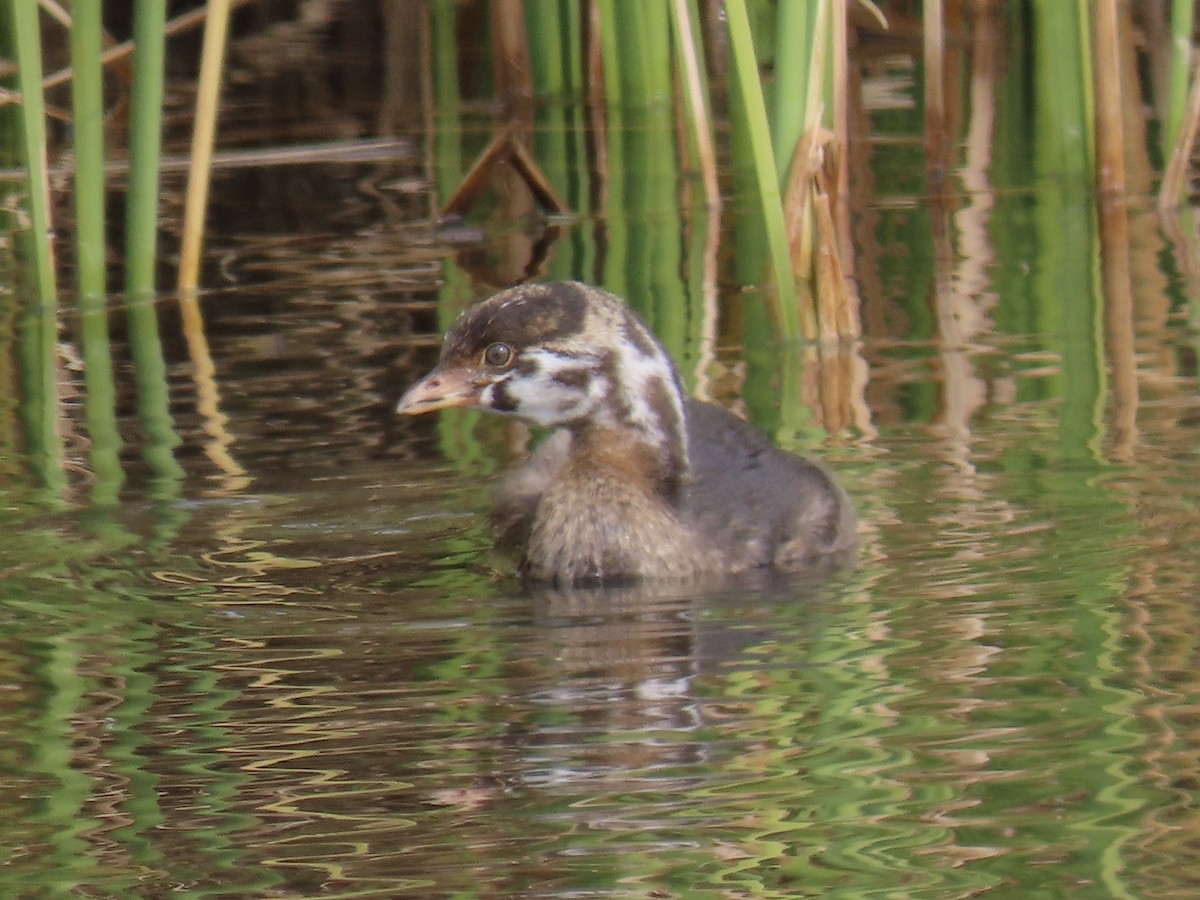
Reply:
x=798 y=208
x=506 y=147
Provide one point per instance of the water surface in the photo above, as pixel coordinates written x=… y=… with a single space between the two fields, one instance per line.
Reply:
x=267 y=650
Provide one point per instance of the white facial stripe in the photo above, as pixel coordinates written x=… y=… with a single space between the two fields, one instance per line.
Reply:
x=641 y=372
x=558 y=389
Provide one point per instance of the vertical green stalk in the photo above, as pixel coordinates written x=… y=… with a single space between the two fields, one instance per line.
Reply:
x=549 y=33
x=37 y=343
x=447 y=160
x=748 y=86
x=610 y=49
x=456 y=428
x=1063 y=82
x=88 y=109
x=647 y=64
x=652 y=264
x=145 y=143
x=1182 y=19
x=795 y=43
x=141 y=238
x=613 y=214
x=33 y=120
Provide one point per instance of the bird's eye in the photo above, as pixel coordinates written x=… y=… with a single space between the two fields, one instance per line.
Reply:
x=498 y=355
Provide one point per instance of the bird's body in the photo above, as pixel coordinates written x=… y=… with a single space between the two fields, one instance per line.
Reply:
x=639 y=482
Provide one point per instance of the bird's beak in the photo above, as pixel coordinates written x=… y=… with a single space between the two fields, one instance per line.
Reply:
x=442 y=389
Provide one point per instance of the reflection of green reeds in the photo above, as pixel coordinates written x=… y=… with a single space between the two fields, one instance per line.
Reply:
x=37 y=361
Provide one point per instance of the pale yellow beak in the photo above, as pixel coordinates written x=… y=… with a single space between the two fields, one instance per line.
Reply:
x=442 y=389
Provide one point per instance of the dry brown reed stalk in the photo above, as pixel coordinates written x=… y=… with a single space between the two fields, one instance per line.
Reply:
x=796 y=198
x=811 y=206
x=1114 y=227
x=1174 y=180
x=178 y=25
x=506 y=147
x=840 y=37
x=1110 y=133
x=56 y=12
x=697 y=107
x=597 y=113
x=208 y=399
x=510 y=54
x=212 y=58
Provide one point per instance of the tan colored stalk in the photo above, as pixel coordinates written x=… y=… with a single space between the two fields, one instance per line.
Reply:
x=1175 y=176
x=203 y=137
x=934 y=37
x=208 y=400
x=696 y=105
x=1110 y=134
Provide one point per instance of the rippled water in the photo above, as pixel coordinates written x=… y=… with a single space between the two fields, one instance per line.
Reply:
x=316 y=679
x=268 y=651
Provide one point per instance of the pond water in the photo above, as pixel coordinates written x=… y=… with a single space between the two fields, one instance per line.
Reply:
x=284 y=661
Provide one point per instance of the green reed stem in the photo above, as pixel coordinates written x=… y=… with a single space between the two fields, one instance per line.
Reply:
x=610 y=50
x=141 y=249
x=1182 y=19
x=447 y=158
x=88 y=108
x=33 y=120
x=145 y=144
x=554 y=38
x=748 y=85
x=795 y=43
x=643 y=30
x=1063 y=83
x=613 y=171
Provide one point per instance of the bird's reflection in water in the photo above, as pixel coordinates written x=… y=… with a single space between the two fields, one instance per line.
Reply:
x=637 y=677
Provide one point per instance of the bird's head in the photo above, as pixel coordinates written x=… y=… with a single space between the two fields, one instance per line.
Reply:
x=560 y=354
